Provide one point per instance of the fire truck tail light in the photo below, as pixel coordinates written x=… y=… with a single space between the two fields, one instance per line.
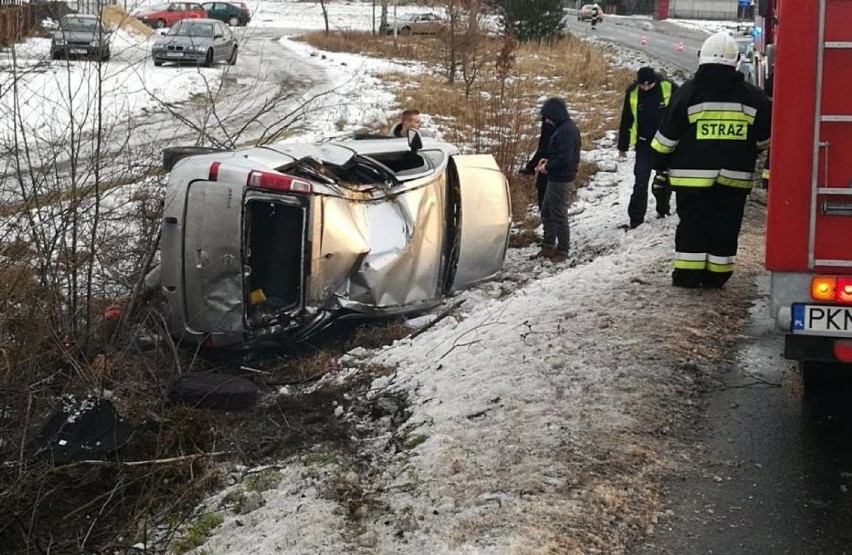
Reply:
x=277 y=182
x=834 y=289
x=844 y=290
x=823 y=288
x=843 y=350
x=214 y=171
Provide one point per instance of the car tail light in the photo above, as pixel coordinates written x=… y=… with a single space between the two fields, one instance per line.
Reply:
x=278 y=182
x=208 y=342
x=832 y=289
x=214 y=171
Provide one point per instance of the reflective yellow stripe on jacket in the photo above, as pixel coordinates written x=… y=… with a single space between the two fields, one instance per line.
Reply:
x=665 y=88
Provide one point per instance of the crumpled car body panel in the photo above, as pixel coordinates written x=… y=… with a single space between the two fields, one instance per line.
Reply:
x=271 y=244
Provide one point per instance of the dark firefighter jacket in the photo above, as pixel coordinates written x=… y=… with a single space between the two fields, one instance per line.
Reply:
x=713 y=130
x=563 y=151
x=642 y=112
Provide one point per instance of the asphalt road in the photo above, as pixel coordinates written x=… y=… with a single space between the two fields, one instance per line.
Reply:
x=774 y=470
x=661 y=42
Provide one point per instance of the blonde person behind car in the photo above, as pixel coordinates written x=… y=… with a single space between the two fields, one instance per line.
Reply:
x=409 y=119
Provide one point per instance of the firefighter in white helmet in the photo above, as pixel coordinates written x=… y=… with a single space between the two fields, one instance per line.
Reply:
x=708 y=141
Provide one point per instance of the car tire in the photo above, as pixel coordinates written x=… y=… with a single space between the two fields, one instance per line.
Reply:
x=173 y=154
x=208 y=59
x=234 y=21
x=213 y=391
x=160 y=24
x=405 y=31
x=233 y=59
x=158 y=64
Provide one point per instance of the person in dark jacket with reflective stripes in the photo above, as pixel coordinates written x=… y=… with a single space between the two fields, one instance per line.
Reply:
x=560 y=165
x=708 y=141
x=645 y=102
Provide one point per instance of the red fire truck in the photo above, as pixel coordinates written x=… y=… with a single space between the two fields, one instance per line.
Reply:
x=809 y=202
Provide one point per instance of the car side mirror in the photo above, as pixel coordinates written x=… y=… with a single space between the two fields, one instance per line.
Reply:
x=415 y=141
x=218 y=36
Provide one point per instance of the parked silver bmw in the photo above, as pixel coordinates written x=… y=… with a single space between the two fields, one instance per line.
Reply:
x=271 y=244
x=196 y=41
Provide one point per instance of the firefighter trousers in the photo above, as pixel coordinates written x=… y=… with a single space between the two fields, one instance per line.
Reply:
x=707 y=235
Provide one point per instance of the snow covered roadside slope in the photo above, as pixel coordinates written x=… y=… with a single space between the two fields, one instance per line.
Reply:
x=541 y=419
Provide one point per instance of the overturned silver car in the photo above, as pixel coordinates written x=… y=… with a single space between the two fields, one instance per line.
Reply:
x=271 y=244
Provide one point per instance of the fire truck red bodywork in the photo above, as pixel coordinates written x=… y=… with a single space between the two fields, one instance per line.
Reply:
x=809 y=202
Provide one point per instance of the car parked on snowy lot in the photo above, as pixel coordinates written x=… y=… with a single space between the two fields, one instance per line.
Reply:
x=417 y=24
x=196 y=41
x=271 y=244
x=81 y=36
x=232 y=14
x=166 y=15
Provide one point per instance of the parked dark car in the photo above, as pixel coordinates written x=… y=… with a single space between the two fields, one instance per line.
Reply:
x=167 y=15
x=232 y=14
x=196 y=41
x=271 y=244
x=83 y=36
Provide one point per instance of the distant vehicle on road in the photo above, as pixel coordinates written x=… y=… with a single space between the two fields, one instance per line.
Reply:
x=196 y=41
x=233 y=14
x=745 y=65
x=81 y=36
x=166 y=15
x=586 y=12
x=418 y=24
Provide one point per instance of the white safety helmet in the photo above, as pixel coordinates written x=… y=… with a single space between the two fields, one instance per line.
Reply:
x=720 y=48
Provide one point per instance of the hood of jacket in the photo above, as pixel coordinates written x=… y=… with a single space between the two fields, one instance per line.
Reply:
x=555 y=110
x=717 y=77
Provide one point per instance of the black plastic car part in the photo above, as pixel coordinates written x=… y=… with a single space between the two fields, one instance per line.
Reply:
x=210 y=390
x=172 y=154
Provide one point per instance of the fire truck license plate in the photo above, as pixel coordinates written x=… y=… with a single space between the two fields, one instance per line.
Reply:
x=816 y=319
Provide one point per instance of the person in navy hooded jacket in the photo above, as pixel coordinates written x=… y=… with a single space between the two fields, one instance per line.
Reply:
x=560 y=166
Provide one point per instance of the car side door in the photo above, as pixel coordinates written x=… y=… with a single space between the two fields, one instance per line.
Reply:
x=221 y=44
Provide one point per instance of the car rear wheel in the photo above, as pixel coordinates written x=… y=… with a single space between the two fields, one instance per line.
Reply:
x=160 y=23
x=208 y=59
x=172 y=154
x=234 y=21
x=233 y=59
x=405 y=31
